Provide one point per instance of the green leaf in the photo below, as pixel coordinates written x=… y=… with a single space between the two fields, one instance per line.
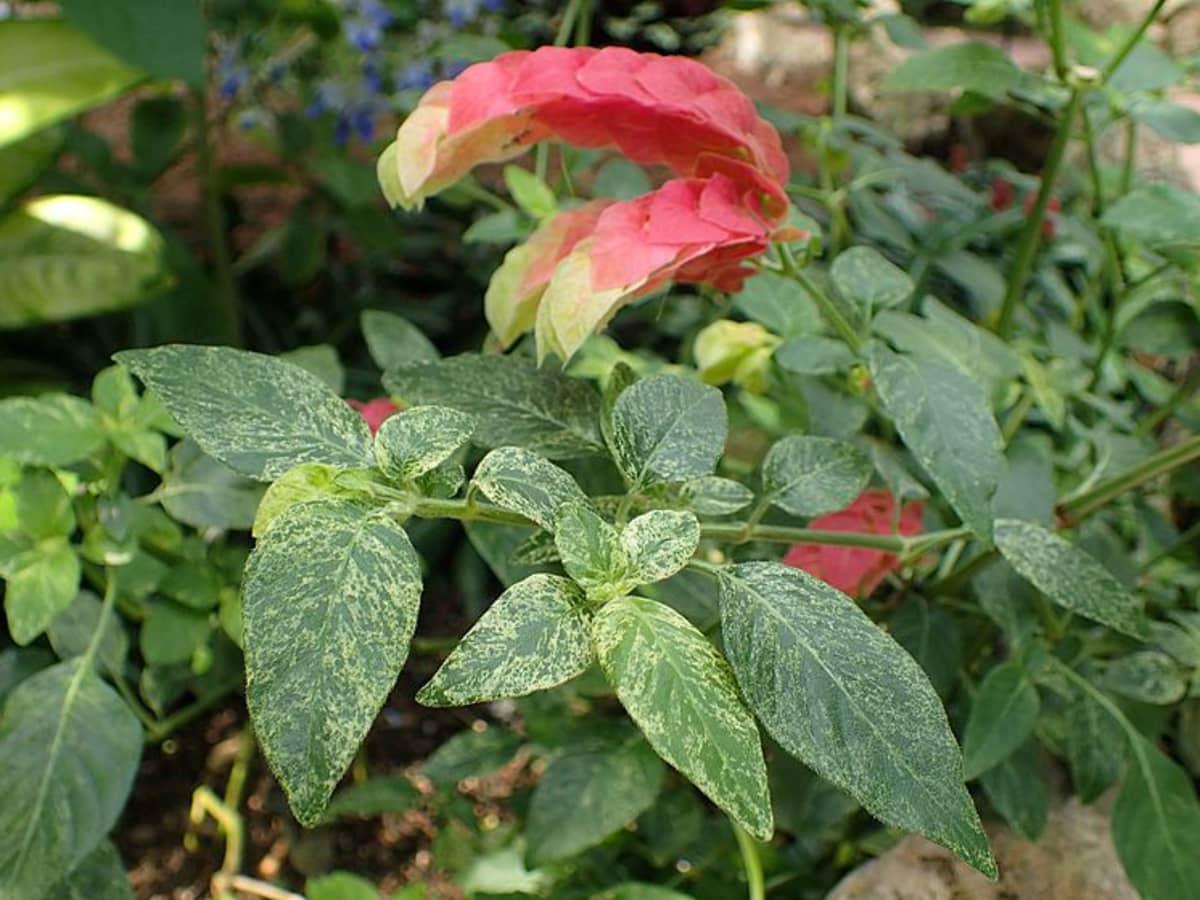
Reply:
x=72 y=631
x=257 y=414
x=1095 y=747
x=420 y=439
x=780 y=304
x=811 y=476
x=64 y=256
x=812 y=354
x=1016 y=789
x=945 y=420
x=393 y=341
x=37 y=54
x=620 y=179
x=1068 y=576
x=172 y=633
x=530 y=193
x=21 y=163
x=41 y=583
x=320 y=360
x=525 y=483
x=1002 y=717
x=659 y=543
x=311 y=481
x=1156 y=825
x=711 y=495
x=932 y=637
x=164 y=40
x=373 y=797
x=50 y=430
x=514 y=402
x=681 y=694
x=1158 y=215
x=70 y=747
x=340 y=886
x=329 y=605
x=43 y=506
x=968 y=66
x=636 y=890
x=534 y=637
x=598 y=785
x=158 y=126
x=201 y=492
x=591 y=552
x=100 y=876
x=1171 y=120
x=668 y=428
x=19 y=663
x=867 y=277
x=1147 y=676
x=471 y=754
x=839 y=694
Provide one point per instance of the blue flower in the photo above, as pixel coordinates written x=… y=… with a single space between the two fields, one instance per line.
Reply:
x=232 y=73
x=451 y=68
x=372 y=77
x=330 y=95
x=364 y=29
x=462 y=12
x=415 y=76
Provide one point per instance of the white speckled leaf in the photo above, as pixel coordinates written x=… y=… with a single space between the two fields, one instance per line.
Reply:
x=523 y=482
x=870 y=279
x=100 y=876
x=668 y=428
x=944 y=418
x=659 y=543
x=591 y=551
x=843 y=697
x=811 y=476
x=711 y=495
x=680 y=692
x=1002 y=715
x=420 y=439
x=50 y=430
x=257 y=414
x=330 y=602
x=597 y=786
x=514 y=402
x=534 y=637
x=70 y=749
x=1069 y=576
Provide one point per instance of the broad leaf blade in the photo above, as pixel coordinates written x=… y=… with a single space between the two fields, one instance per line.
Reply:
x=1068 y=575
x=944 y=419
x=867 y=277
x=330 y=603
x=1017 y=791
x=50 y=430
x=525 y=483
x=201 y=492
x=838 y=693
x=680 y=692
x=534 y=637
x=514 y=402
x=420 y=439
x=1002 y=717
x=41 y=584
x=70 y=747
x=257 y=414
x=810 y=476
x=166 y=40
x=597 y=786
x=393 y=341
x=591 y=551
x=659 y=543
x=667 y=428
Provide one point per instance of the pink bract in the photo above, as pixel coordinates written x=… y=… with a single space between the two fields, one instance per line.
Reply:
x=375 y=411
x=857 y=571
x=582 y=265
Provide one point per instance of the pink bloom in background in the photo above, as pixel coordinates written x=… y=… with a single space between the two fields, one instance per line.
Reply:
x=857 y=571
x=375 y=411
x=728 y=203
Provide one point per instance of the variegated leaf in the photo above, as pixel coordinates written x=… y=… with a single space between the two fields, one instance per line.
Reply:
x=843 y=697
x=525 y=483
x=534 y=637
x=419 y=439
x=810 y=476
x=257 y=414
x=659 y=543
x=330 y=603
x=680 y=692
x=711 y=495
x=591 y=551
x=668 y=428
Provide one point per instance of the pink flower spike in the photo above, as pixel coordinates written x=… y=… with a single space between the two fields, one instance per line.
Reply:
x=375 y=411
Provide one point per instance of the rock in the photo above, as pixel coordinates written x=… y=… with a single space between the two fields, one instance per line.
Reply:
x=1073 y=860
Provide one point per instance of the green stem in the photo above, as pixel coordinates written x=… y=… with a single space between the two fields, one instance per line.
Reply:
x=841 y=71
x=225 y=289
x=1182 y=394
x=541 y=161
x=165 y=727
x=1074 y=509
x=1058 y=43
x=1127 y=166
x=750 y=862
x=1016 y=417
x=1028 y=244
x=1132 y=41
x=828 y=307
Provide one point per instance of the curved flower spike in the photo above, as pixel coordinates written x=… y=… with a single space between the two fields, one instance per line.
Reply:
x=580 y=267
x=656 y=110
